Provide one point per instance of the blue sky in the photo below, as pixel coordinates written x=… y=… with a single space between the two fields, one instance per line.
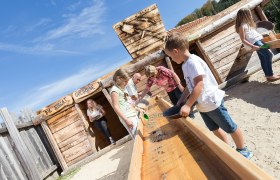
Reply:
x=50 y=48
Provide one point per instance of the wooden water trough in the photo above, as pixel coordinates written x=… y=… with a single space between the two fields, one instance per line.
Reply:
x=183 y=149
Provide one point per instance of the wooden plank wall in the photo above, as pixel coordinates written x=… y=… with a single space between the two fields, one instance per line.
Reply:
x=226 y=52
x=69 y=133
x=142 y=33
x=11 y=163
x=116 y=128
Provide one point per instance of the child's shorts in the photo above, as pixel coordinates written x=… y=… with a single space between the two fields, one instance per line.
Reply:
x=219 y=118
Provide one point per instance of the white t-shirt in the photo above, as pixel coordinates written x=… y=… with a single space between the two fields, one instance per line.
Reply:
x=131 y=88
x=93 y=113
x=251 y=35
x=211 y=96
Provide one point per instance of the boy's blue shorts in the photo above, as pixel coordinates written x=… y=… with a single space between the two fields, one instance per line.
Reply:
x=219 y=118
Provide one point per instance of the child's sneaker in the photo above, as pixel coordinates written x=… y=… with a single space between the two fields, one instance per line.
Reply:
x=245 y=152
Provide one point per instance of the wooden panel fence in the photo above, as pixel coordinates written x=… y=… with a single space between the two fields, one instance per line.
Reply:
x=22 y=152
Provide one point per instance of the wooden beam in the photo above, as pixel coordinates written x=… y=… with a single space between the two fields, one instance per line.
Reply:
x=261 y=14
x=209 y=63
x=169 y=64
x=29 y=164
x=18 y=126
x=54 y=145
x=86 y=125
x=222 y=21
x=137 y=153
x=138 y=66
x=49 y=171
x=243 y=167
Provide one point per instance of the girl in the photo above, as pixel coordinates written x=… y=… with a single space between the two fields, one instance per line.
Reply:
x=167 y=79
x=96 y=115
x=127 y=114
x=245 y=27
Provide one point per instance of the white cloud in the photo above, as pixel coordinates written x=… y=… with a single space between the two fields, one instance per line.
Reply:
x=42 y=22
x=85 y=24
x=46 y=94
x=39 y=49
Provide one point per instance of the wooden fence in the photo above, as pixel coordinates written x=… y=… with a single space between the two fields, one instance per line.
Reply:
x=22 y=151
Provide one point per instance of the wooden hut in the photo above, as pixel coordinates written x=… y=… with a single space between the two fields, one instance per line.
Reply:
x=68 y=129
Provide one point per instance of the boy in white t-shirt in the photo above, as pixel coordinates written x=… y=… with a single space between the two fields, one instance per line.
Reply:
x=204 y=90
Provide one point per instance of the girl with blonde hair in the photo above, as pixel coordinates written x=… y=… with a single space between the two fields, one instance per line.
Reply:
x=245 y=27
x=96 y=115
x=126 y=112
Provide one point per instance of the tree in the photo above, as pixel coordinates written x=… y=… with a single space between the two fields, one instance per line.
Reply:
x=272 y=12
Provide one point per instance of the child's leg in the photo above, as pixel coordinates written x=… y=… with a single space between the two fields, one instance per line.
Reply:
x=221 y=134
x=212 y=126
x=238 y=138
x=221 y=117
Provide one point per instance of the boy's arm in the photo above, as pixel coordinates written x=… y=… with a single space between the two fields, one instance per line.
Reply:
x=198 y=86
x=183 y=97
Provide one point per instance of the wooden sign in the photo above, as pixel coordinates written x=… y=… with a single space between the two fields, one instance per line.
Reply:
x=142 y=33
x=82 y=93
x=56 y=107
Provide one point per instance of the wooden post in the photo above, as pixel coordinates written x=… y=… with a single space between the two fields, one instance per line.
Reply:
x=54 y=145
x=261 y=14
x=86 y=125
x=29 y=164
x=208 y=62
x=106 y=93
x=169 y=64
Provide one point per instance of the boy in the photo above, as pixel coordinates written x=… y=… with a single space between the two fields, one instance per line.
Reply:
x=204 y=90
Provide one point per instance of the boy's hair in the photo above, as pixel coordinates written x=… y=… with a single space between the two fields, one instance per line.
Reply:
x=244 y=16
x=121 y=73
x=176 y=41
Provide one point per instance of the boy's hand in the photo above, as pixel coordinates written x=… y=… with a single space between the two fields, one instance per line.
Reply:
x=185 y=110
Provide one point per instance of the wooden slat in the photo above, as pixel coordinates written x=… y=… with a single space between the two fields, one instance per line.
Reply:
x=68 y=131
x=75 y=137
x=139 y=14
x=74 y=143
x=208 y=62
x=18 y=126
x=58 y=116
x=29 y=164
x=156 y=30
x=66 y=122
x=54 y=146
x=147 y=49
x=76 y=151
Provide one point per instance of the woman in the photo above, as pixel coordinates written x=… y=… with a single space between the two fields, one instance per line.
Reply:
x=96 y=115
x=126 y=112
x=167 y=79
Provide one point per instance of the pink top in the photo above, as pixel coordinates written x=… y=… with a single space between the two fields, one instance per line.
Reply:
x=164 y=79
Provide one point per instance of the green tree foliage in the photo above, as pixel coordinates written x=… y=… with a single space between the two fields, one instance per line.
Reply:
x=208 y=9
x=272 y=12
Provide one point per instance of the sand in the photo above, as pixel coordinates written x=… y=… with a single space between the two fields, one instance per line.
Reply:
x=113 y=165
x=254 y=106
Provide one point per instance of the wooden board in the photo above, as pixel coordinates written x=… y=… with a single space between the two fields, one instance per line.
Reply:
x=142 y=33
x=56 y=107
x=86 y=91
x=182 y=149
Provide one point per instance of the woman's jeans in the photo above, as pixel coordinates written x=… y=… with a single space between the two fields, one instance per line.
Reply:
x=101 y=125
x=266 y=59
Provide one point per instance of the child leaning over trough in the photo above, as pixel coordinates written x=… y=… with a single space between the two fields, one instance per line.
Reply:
x=126 y=112
x=245 y=27
x=204 y=90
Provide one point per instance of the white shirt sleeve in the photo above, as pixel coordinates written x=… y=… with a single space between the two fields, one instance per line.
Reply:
x=195 y=69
